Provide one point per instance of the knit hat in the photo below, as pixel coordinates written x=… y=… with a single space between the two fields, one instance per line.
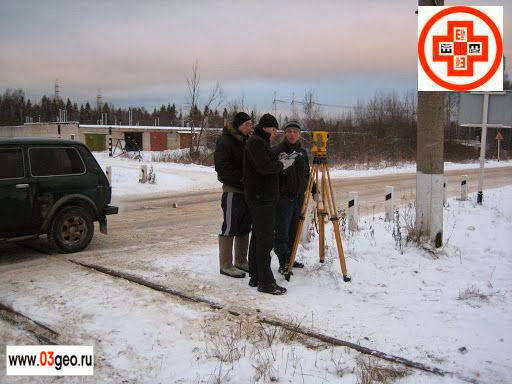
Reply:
x=268 y=121
x=292 y=124
x=240 y=118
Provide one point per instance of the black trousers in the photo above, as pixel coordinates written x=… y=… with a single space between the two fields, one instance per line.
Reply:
x=262 y=241
x=287 y=220
x=237 y=219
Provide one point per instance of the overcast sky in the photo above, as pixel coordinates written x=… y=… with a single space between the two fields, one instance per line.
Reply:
x=140 y=52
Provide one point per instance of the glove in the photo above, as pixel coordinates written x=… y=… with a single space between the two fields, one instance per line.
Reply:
x=294 y=154
x=286 y=163
x=282 y=156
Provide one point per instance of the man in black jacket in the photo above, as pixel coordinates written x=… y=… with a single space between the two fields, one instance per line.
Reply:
x=292 y=185
x=261 y=185
x=228 y=158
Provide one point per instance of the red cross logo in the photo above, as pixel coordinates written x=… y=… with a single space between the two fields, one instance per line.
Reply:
x=460 y=49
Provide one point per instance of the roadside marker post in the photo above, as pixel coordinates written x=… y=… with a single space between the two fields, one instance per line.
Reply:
x=389 y=203
x=464 y=188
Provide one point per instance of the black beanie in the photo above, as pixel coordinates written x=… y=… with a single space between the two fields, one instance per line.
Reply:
x=292 y=124
x=240 y=118
x=268 y=121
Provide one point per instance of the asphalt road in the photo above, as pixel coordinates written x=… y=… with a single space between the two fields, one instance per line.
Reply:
x=197 y=218
x=198 y=215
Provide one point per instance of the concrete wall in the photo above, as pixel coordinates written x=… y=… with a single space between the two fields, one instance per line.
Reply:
x=42 y=130
x=174 y=136
x=173 y=140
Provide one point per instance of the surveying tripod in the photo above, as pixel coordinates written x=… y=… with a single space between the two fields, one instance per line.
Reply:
x=325 y=205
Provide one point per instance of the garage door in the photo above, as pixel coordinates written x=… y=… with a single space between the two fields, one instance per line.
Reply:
x=133 y=141
x=96 y=141
x=158 y=141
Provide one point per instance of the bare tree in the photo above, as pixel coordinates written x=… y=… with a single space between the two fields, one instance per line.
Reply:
x=193 y=97
x=236 y=105
x=193 y=86
x=198 y=120
x=311 y=110
x=215 y=99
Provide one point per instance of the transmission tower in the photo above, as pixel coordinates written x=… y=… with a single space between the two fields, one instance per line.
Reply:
x=57 y=93
x=99 y=100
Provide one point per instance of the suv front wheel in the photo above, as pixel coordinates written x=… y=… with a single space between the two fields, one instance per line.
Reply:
x=71 y=229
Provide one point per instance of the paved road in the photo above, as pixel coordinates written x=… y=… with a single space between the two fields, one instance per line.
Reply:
x=198 y=214
x=197 y=218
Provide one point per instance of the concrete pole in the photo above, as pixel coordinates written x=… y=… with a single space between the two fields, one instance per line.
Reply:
x=430 y=166
x=483 y=145
x=430 y=161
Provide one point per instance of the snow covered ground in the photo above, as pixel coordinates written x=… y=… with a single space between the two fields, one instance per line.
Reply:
x=170 y=177
x=449 y=309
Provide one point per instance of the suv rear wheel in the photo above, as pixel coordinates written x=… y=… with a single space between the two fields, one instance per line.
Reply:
x=71 y=229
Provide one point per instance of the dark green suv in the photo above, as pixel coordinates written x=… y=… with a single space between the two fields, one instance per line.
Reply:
x=53 y=187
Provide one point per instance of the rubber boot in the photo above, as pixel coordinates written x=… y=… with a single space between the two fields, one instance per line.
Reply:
x=226 y=258
x=241 y=246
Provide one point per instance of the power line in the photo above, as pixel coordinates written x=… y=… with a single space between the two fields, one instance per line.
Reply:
x=294 y=101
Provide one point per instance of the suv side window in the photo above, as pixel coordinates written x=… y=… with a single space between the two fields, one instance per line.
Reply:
x=12 y=163
x=55 y=161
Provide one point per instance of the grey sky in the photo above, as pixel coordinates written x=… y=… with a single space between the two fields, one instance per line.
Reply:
x=140 y=52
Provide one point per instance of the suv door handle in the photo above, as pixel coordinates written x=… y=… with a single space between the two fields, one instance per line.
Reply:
x=22 y=186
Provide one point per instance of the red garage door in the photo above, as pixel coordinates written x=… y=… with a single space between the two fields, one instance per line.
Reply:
x=158 y=141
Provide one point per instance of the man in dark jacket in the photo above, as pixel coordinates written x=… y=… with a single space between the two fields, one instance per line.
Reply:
x=261 y=184
x=292 y=185
x=236 y=225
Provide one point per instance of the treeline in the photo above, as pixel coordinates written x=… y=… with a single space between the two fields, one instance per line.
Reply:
x=16 y=109
x=383 y=131
x=383 y=128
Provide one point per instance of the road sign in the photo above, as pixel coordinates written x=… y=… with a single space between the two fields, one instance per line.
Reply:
x=499 y=113
x=460 y=48
x=470 y=101
x=499 y=136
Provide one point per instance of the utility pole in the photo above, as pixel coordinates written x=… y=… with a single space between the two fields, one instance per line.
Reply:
x=430 y=161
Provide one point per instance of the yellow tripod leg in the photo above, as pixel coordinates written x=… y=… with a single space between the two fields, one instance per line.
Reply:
x=314 y=171
x=321 y=235
x=336 y=224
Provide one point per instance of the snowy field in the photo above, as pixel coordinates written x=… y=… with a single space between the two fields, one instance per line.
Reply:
x=449 y=309
x=170 y=177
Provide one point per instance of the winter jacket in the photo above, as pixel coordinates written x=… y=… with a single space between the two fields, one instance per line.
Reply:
x=293 y=180
x=261 y=169
x=228 y=157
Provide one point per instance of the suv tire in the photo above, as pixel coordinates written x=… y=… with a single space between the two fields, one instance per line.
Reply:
x=71 y=229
